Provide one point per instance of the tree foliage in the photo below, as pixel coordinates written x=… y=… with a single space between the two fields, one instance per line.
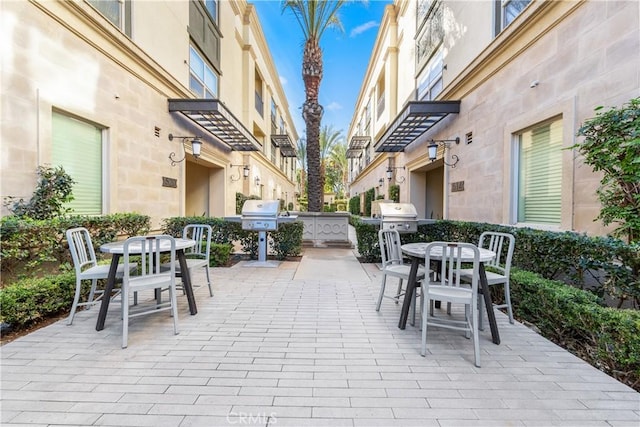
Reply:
x=612 y=146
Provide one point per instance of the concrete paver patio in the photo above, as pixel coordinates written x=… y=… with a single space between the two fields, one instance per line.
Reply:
x=298 y=345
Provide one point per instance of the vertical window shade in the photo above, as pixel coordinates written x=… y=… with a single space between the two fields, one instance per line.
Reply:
x=540 y=180
x=77 y=147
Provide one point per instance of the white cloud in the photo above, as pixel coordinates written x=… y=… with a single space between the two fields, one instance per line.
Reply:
x=283 y=80
x=362 y=28
x=334 y=106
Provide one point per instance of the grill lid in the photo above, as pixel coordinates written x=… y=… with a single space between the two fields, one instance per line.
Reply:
x=406 y=211
x=261 y=208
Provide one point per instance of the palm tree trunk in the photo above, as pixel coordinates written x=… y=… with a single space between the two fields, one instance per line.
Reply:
x=312 y=115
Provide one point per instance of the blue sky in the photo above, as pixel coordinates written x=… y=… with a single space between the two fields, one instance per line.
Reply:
x=345 y=55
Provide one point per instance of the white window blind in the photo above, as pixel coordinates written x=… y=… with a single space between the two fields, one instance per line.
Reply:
x=77 y=147
x=540 y=174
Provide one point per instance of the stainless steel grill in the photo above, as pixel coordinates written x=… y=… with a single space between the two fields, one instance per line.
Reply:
x=260 y=215
x=400 y=216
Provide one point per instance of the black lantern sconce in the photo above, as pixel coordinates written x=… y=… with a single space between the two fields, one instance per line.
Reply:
x=196 y=146
x=245 y=172
x=433 y=150
x=390 y=170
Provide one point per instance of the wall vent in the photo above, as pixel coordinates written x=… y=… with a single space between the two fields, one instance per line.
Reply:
x=156 y=132
x=469 y=138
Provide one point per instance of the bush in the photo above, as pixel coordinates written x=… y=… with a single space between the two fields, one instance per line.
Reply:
x=220 y=254
x=53 y=190
x=607 y=338
x=28 y=244
x=604 y=265
x=30 y=300
x=287 y=241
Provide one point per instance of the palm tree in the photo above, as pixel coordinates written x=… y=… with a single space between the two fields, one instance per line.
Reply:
x=329 y=140
x=314 y=17
x=339 y=162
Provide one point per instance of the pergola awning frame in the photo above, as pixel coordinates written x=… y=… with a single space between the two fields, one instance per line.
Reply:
x=416 y=118
x=283 y=141
x=213 y=116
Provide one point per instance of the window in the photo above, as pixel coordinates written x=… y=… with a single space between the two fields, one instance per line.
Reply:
x=77 y=147
x=539 y=166
x=274 y=117
x=507 y=11
x=380 y=96
x=431 y=35
x=116 y=11
x=203 y=81
x=212 y=8
x=430 y=79
x=259 y=103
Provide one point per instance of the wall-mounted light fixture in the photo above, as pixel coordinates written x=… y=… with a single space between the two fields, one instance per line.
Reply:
x=390 y=170
x=196 y=145
x=433 y=150
x=380 y=182
x=245 y=172
x=257 y=181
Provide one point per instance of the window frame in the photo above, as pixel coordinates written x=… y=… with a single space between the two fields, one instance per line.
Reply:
x=193 y=51
x=104 y=157
x=516 y=170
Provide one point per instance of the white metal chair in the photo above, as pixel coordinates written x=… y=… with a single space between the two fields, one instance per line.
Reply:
x=198 y=255
x=393 y=265
x=86 y=267
x=148 y=249
x=502 y=244
x=446 y=286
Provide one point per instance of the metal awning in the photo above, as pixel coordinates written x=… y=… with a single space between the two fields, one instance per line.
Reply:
x=212 y=115
x=356 y=145
x=416 y=118
x=284 y=142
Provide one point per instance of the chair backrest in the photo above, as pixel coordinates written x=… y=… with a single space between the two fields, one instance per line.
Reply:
x=451 y=258
x=147 y=250
x=82 y=252
x=502 y=244
x=201 y=233
x=390 y=249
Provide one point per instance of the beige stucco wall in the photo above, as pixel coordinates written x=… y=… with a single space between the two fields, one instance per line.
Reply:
x=581 y=54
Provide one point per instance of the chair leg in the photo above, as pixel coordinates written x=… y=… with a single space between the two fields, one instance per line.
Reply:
x=475 y=334
x=425 y=307
x=174 y=308
x=480 y=311
x=125 y=319
x=382 y=286
x=507 y=299
x=399 y=291
x=209 y=281
x=76 y=299
x=92 y=292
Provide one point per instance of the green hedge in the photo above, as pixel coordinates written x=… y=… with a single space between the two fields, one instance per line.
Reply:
x=28 y=244
x=607 y=338
x=31 y=300
x=286 y=241
x=605 y=265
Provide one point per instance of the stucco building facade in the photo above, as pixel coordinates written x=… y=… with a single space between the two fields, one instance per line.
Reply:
x=513 y=81
x=98 y=87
